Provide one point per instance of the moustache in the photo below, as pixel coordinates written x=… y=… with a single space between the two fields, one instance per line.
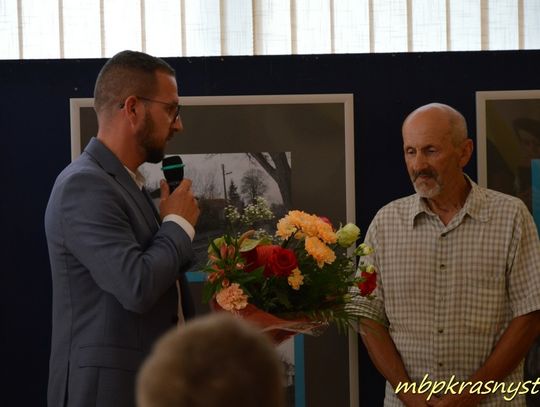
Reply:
x=424 y=173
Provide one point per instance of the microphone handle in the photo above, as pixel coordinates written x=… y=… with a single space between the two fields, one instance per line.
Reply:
x=173 y=185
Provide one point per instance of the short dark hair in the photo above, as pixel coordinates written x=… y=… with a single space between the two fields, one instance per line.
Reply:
x=127 y=73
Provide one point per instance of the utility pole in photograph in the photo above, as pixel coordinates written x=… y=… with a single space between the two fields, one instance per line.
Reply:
x=224 y=183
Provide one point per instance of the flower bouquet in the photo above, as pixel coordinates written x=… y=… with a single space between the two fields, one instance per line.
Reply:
x=297 y=279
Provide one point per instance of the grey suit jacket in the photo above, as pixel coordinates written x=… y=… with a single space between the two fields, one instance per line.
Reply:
x=114 y=269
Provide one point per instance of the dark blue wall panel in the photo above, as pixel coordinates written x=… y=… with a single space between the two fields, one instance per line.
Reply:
x=35 y=141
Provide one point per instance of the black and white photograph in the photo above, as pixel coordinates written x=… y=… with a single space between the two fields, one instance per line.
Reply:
x=232 y=179
x=286 y=351
x=285 y=148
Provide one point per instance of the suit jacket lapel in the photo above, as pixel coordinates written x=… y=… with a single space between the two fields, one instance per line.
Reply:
x=146 y=194
x=112 y=165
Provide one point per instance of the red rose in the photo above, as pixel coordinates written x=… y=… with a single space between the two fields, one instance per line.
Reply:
x=368 y=285
x=258 y=257
x=281 y=263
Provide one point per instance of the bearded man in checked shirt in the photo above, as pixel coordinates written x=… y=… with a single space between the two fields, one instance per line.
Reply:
x=459 y=273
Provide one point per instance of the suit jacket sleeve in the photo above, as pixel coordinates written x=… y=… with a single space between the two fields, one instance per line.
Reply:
x=109 y=235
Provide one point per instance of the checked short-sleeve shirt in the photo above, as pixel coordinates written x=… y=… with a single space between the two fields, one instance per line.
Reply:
x=449 y=292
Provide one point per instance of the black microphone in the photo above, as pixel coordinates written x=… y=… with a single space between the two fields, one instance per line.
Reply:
x=173 y=169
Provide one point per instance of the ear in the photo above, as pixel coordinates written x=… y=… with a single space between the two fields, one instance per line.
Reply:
x=466 y=152
x=132 y=110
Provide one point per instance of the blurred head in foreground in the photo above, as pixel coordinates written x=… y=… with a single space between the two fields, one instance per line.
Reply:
x=214 y=361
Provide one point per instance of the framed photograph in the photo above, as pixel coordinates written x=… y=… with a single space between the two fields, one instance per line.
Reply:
x=295 y=150
x=508 y=142
x=508 y=139
x=535 y=181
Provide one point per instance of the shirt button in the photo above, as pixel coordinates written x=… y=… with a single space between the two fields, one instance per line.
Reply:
x=440 y=364
x=440 y=330
x=443 y=234
x=442 y=266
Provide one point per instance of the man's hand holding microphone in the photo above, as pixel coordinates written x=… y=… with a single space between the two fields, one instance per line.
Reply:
x=180 y=202
x=176 y=194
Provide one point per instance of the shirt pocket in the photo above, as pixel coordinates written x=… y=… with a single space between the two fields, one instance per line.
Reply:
x=483 y=301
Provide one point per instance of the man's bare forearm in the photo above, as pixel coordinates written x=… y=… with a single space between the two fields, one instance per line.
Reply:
x=387 y=360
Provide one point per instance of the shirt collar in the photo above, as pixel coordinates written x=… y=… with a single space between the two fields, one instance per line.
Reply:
x=137 y=177
x=474 y=205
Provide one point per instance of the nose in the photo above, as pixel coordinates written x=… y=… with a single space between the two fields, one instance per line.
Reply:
x=419 y=162
x=177 y=125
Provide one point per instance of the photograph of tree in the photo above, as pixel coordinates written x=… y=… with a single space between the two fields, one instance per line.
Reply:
x=238 y=147
x=234 y=179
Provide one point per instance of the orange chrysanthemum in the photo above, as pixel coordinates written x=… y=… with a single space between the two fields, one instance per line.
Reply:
x=325 y=232
x=319 y=251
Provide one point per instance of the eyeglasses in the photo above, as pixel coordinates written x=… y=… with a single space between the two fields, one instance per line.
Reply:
x=173 y=108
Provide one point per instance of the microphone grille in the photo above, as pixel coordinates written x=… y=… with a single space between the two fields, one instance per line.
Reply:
x=173 y=168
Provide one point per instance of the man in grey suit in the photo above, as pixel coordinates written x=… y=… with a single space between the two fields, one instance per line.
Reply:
x=117 y=264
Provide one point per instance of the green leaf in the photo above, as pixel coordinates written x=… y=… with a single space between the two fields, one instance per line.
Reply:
x=283 y=299
x=249 y=244
x=208 y=292
x=214 y=243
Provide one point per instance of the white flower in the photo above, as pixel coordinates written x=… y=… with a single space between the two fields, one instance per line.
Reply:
x=256 y=212
x=232 y=214
x=348 y=234
x=363 y=250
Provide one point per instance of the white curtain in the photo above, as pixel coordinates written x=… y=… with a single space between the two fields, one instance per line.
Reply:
x=100 y=28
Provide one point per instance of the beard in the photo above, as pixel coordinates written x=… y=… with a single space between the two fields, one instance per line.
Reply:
x=154 y=151
x=423 y=188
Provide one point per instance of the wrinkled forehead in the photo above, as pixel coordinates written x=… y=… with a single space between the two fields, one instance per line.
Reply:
x=427 y=127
